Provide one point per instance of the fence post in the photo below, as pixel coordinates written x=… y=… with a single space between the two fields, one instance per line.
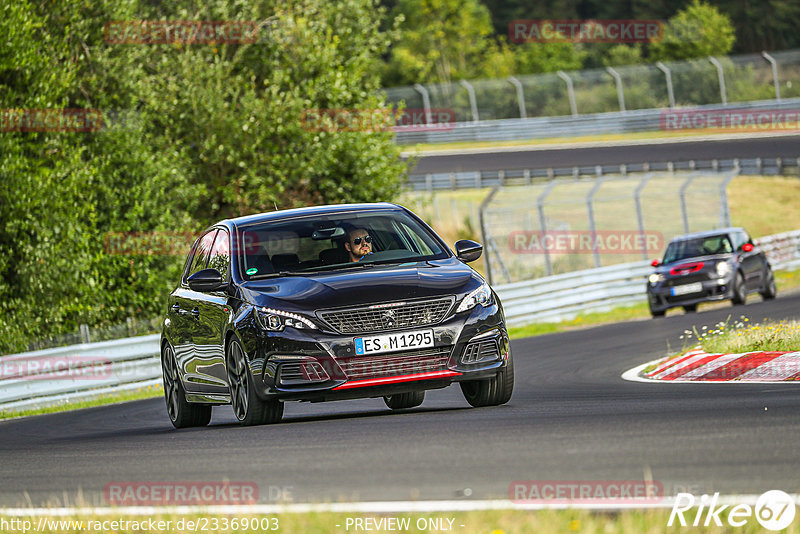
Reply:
x=592 y=226
x=520 y=96
x=684 y=211
x=618 y=80
x=668 y=75
x=85 y=333
x=570 y=91
x=721 y=76
x=543 y=223
x=724 y=207
x=774 y=75
x=473 y=104
x=485 y=231
x=426 y=102
x=637 y=198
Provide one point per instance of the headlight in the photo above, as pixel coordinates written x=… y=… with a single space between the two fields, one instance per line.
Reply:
x=656 y=278
x=482 y=296
x=723 y=268
x=275 y=320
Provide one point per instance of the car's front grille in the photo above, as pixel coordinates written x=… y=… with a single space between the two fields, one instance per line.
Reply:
x=401 y=363
x=483 y=351
x=390 y=316
x=687 y=279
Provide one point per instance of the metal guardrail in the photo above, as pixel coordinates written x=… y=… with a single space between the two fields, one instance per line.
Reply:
x=504 y=177
x=52 y=376
x=563 y=296
x=617 y=122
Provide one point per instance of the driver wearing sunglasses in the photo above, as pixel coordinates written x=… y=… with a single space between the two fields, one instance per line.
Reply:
x=359 y=244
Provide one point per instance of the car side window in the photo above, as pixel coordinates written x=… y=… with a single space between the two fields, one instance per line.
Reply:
x=221 y=255
x=202 y=252
x=739 y=239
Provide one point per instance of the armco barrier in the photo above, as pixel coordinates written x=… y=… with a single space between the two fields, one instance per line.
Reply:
x=617 y=122
x=52 y=376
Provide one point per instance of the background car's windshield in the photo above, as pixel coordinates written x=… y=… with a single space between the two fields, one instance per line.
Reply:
x=320 y=243
x=701 y=246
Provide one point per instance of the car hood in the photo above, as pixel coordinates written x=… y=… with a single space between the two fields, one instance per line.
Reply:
x=379 y=283
x=709 y=264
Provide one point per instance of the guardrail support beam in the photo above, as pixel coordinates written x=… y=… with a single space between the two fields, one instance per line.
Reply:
x=592 y=226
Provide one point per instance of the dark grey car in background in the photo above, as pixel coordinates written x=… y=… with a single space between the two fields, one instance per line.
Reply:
x=715 y=265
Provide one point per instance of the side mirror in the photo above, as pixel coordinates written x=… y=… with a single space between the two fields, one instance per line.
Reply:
x=468 y=251
x=655 y=263
x=747 y=247
x=205 y=280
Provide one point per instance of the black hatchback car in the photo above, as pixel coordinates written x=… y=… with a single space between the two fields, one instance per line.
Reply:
x=328 y=303
x=708 y=266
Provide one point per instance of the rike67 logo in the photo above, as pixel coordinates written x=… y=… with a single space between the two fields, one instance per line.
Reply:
x=774 y=510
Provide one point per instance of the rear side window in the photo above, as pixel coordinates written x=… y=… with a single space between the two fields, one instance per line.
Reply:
x=201 y=253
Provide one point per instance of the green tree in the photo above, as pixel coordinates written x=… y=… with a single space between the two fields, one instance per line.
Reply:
x=699 y=30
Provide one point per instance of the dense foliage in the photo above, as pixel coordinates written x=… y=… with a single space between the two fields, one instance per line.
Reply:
x=191 y=134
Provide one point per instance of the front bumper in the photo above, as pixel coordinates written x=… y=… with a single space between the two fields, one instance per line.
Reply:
x=660 y=296
x=318 y=365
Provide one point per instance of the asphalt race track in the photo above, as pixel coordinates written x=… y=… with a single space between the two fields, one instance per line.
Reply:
x=615 y=154
x=571 y=418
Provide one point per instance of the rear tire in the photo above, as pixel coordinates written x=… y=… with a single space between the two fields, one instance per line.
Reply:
x=247 y=407
x=492 y=392
x=412 y=399
x=739 y=290
x=181 y=413
x=691 y=308
x=769 y=291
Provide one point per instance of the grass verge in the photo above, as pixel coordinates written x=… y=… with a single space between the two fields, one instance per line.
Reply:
x=100 y=400
x=741 y=335
x=488 y=522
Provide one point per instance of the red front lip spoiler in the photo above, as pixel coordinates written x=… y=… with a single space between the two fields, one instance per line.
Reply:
x=397 y=379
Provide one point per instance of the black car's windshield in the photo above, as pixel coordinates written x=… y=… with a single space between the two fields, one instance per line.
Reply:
x=333 y=242
x=700 y=246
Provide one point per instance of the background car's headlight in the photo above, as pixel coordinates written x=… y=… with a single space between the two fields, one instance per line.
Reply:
x=482 y=296
x=723 y=268
x=275 y=320
x=656 y=278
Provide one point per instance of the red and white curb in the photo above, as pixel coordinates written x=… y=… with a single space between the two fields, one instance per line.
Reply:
x=700 y=366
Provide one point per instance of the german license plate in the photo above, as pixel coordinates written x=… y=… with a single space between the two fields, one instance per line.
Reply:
x=687 y=289
x=394 y=342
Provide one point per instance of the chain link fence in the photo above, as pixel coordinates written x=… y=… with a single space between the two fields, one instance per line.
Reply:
x=724 y=80
x=564 y=225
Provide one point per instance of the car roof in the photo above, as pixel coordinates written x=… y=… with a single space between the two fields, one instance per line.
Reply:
x=306 y=211
x=708 y=233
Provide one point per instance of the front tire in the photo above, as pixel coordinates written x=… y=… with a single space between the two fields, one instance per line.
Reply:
x=769 y=291
x=412 y=399
x=739 y=290
x=690 y=308
x=492 y=392
x=181 y=413
x=247 y=407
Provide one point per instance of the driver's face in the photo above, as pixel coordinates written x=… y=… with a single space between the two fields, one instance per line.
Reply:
x=358 y=243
